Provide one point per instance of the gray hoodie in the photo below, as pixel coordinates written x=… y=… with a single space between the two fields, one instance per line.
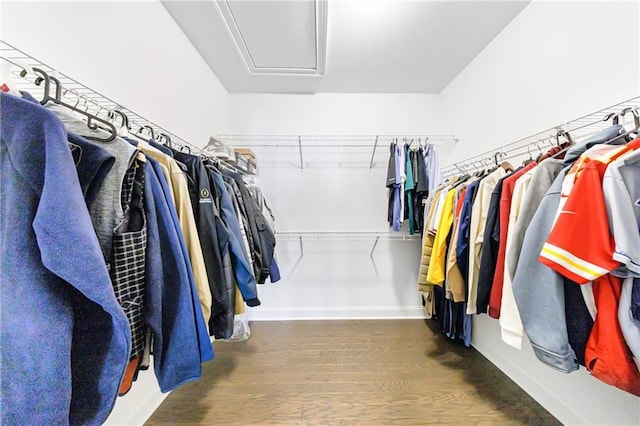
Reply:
x=538 y=289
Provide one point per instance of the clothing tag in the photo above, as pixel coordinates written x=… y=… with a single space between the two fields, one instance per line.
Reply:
x=4 y=88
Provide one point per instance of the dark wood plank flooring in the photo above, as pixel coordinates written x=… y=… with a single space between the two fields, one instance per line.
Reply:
x=395 y=372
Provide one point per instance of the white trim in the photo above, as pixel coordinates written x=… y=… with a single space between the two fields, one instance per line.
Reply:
x=139 y=403
x=147 y=408
x=336 y=313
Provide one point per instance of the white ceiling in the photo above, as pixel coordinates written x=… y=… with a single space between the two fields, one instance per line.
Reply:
x=360 y=46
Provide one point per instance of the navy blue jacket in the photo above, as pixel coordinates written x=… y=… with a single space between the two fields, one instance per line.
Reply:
x=462 y=245
x=212 y=235
x=65 y=339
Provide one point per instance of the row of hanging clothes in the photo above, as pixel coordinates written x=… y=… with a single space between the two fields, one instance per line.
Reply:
x=413 y=172
x=114 y=247
x=550 y=248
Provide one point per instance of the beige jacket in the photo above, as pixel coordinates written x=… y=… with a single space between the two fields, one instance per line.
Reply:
x=479 y=213
x=180 y=191
x=455 y=285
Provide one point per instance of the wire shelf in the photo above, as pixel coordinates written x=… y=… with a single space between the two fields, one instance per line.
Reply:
x=349 y=151
x=77 y=93
x=345 y=236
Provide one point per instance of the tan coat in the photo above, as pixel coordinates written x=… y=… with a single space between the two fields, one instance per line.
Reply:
x=180 y=191
x=455 y=280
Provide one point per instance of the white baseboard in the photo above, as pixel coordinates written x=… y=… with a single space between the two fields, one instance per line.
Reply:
x=336 y=313
x=147 y=408
x=138 y=405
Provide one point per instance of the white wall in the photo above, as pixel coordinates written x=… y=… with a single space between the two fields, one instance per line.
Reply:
x=335 y=113
x=336 y=191
x=132 y=52
x=554 y=62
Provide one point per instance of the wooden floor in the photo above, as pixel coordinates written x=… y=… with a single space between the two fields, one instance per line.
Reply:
x=395 y=372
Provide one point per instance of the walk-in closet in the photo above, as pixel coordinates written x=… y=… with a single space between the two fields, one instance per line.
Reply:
x=320 y=212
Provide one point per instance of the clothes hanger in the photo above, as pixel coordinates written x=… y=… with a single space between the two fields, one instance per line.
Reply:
x=566 y=135
x=566 y=148
x=167 y=140
x=186 y=148
x=125 y=127
x=506 y=164
x=149 y=128
x=613 y=116
x=636 y=118
x=495 y=157
x=480 y=167
x=92 y=120
x=529 y=152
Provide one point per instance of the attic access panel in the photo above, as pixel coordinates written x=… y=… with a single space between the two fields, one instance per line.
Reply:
x=278 y=36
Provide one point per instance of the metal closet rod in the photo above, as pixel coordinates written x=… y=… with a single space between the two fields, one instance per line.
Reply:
x=529 y=144
x=343 y=236
x=19 y=58
x=340 y=236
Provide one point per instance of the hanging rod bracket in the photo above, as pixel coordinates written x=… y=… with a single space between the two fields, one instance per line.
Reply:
x=373 y=154
x=300 y=150
x=375 y=244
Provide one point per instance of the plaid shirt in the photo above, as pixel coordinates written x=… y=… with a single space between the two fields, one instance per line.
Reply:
x=129 y=256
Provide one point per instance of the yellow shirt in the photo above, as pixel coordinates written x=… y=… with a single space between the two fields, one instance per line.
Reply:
x=427 y=244
x=438 y=253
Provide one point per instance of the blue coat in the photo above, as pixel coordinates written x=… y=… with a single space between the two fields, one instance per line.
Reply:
x=65 y=339
x=168 y=307
x=173 y=246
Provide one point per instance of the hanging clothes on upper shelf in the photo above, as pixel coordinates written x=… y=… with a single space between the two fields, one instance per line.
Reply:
x=412 y=172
